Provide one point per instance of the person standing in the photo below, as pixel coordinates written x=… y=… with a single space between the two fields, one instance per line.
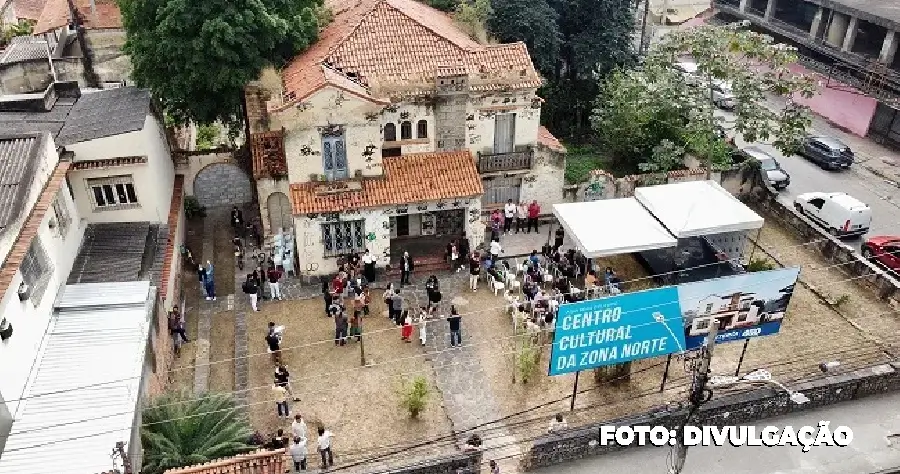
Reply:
x=432 y=290
x=283 y=378
x=326 y=295
x=273 y=341
x=474 y=271
x=210 y=282
x=534 y=211
x=366 y=300
x=369 y=266
x=496 y=218
x=280 y=395
x=521 y=217
x=424 y=316
x=496 y=249
x=176 y=325
x=324 y=444
x=509 y=215
x=298 y=427
x=406 y=267
x=397 y=307
x=201 y=275
x=388 y=298
x=340 y=327
x=274 y=276
x=251 y=290
x=407 y=329
x=558 y=238
x=355 y=327
x=495 y=468
x=463 y=247
x=299 y=451
x=453 y=255
x=455 y=322
x=237 y=219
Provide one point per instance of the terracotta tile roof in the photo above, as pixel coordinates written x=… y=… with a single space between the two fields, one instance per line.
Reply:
x=267 y=149
x=28 y=9
x=398 y=45
x=410 y=178
x=109 y=163
x=32 y=224
x=174 y=211
x=548 y=140
x=104 y=15
x=260 y=462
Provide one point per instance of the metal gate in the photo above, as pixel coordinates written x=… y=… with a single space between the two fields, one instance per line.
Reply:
x=501 y=189
x=279 y=212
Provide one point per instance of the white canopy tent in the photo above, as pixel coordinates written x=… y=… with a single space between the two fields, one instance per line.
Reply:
x=697 y=208
x=612 y=227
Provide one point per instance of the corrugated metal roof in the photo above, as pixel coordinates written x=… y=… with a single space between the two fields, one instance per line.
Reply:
x=18 y=161
x=63 y=427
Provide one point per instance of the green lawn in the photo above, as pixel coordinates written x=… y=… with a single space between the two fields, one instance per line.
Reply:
x=582 y=159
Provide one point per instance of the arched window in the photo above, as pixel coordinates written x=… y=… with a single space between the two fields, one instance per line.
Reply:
x=406 y=130
x=390 y=133
x=422 y=129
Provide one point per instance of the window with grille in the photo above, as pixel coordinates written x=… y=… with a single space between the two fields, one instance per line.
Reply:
x=406 y=130
x=390 y=133
x=345 y=237
x=115 y=192
x=36 y=270
x=61 y=213
x=422 y=129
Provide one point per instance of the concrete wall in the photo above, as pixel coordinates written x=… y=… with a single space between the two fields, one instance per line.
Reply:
x=222 y=184
x=544 y=182
x=482 y=109
x=30 y=321
x=578 y=443
x=153 y=181
x=264 y=188
x=109 y=62
x=191 y=163
x=25 y=77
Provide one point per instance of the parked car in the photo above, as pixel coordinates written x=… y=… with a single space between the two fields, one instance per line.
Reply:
x=841 y=214
x=778 y=177
x=883 y=249
x=688 y=71
x=722 y=95
x=827 y=152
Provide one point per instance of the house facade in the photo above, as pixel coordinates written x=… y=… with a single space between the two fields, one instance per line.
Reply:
x=399 y=142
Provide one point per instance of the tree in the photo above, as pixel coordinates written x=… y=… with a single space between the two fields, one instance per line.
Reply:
x=472 y=16
x=754 y=67
x=197 y=57
x=531 y=21
x=181 y=431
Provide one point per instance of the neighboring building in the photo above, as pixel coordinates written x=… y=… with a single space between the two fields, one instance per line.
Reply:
x=393 y=142
x=853 y=43
x=731 y=311
x=13 y=11
x=90 y=239
x=85 y=43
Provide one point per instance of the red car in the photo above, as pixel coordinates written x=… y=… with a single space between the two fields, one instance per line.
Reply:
x=883 y=249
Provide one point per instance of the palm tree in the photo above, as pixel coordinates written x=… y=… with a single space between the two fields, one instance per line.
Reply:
x=179 y=430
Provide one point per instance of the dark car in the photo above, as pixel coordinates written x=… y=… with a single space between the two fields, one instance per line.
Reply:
x=883 y=249
x=827 y=152
x=769 y=166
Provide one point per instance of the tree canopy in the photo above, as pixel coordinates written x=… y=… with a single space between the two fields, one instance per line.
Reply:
x=531 y=21
x=649 y=115
x=181 y=431
x=197 y=56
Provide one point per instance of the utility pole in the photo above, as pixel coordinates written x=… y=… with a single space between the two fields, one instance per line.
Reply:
x=697 y=396
x=643 y=46
x=362 y=347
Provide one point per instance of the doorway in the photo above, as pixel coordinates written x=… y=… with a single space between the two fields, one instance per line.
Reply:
x=402 y=226
x=279 y=207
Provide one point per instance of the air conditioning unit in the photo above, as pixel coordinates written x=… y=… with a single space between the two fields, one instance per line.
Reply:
x=24 y=292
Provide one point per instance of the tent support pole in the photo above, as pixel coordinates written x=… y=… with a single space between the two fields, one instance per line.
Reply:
x=737 y=371
x=574 y=391
x=662 y=386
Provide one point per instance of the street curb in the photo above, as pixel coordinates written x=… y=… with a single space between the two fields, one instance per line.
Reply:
x=882 y=175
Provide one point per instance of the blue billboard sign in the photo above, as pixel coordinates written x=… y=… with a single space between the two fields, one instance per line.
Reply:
x=617 y=329
x=745 y=306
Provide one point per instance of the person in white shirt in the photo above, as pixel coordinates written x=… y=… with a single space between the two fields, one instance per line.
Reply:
x=558 y=423
x=298 y=427
x=324 y=445
x=298 y=452
x=368 y=261
x=509 y=213
x=521 y=216
x=496 y=249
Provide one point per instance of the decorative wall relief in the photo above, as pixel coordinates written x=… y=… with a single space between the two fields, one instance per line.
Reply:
x=470 y=117
x=391 y=108
x=339 y=99
x=474 y=215
x=474 y=139
x=369 y=152
x=303 y=106
x=306 y=150
x=311 y=216
x=404 y=115
x=371 y=236
x=470 y=126
x=386 y=225
x=371 y=117
x=530 y=178
x=402 y=210
x=535 y=103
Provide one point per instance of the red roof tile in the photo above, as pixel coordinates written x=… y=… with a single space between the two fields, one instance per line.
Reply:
x=109 y=163
x=31 y=226
x=410 y=178
x=267 y=150
x=104 y=15
x=260 y=462
x=548 y=140
x=174 y=211
x=28 y=9
x=398 y=44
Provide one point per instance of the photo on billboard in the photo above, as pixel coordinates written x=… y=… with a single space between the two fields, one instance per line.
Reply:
x=745 y=306
x=616 y=329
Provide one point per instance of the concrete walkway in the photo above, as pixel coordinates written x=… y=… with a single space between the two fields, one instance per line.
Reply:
x=468 y=398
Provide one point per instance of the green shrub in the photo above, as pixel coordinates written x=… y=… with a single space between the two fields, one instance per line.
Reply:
x=760 y=265
x=192 y=208
x=207 y=137
x=527 y=356
x=414 y=396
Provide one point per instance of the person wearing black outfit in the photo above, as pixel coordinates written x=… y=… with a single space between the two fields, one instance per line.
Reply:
x=463 y=247
x=201 y=275
x=326 y=295
x=279 y=441
x=558 y=239
x=455 y=322
x=368 y=261
x=474 y=271
x=237 y=219
x=433 y=290
x=273 y=341
x=406 y=267
x=340 y=328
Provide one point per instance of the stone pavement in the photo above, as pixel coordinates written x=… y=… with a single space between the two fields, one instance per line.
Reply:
x=207 y=308
x=468 y=399
x=521 y=244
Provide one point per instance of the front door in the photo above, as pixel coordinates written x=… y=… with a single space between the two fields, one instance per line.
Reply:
x=504 y=133
x=279 y=207
x=402 y=226
x=334 y=157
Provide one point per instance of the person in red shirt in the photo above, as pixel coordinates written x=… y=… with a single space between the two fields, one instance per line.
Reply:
x=534 y=210
x=337 y=285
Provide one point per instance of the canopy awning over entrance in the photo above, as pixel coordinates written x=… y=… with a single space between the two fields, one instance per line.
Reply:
x=697 y=208
x=612 y=227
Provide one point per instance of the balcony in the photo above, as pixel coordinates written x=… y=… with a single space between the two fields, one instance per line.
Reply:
x=517 y=160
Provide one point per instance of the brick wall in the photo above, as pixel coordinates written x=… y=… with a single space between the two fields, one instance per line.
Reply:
x=578 y=443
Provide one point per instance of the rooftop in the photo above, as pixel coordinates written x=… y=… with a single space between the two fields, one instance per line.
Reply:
x=886 y=9
x=28 y=9
x=95 y=14
x=91 y=323
x=19 y=157
x=381 y=46
x=72 y=117
x=412 y=178
x=24 y=48
x=120 y=251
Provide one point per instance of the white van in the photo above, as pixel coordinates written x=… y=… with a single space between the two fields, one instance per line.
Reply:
x=842 y=214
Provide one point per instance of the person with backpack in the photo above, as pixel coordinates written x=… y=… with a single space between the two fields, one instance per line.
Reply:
x=250 y=288
x=273 y=342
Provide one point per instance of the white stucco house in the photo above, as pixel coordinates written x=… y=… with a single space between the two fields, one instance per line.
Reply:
x=385 y=142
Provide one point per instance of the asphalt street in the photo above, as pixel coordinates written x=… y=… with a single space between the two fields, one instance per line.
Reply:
x=881 y=196
x=875 y=447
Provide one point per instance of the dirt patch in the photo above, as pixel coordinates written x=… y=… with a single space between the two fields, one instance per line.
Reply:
x=359 y=404
x=181 y=375
x=221 y=352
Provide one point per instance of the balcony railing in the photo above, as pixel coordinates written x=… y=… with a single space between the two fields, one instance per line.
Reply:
x=517 y=160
